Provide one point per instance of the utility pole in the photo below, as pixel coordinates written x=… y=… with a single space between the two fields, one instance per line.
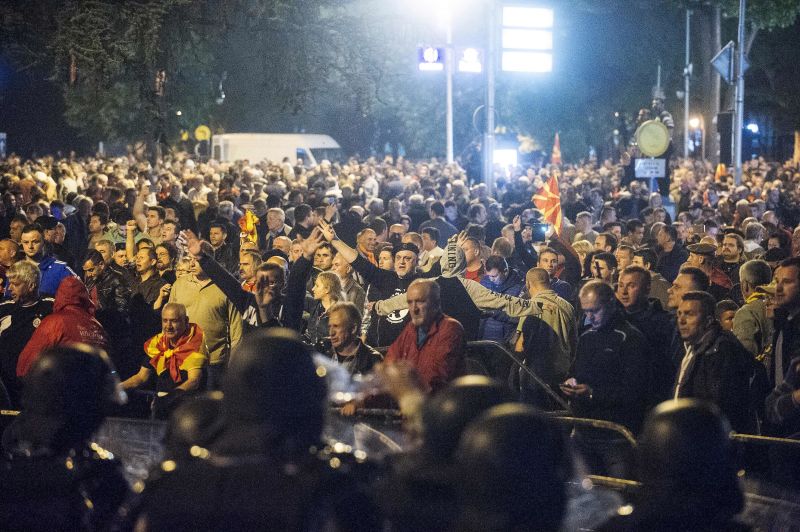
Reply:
x=449 y=62
x=488 y=138
x=687 y=73
x=739 y=118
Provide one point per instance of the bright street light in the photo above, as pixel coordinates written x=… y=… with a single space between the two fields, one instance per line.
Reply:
x=527 y=17
x=694 y=123
x=505 y=157
x=527 y=39
x=752 y=128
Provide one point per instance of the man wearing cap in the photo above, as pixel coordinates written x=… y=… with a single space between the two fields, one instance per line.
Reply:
x=383 y=329
x=50 y=226
x=702 y=256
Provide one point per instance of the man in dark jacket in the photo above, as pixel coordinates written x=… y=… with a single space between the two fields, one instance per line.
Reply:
x=344 y=325
x=224 y=253
x=655 y=324
x=673 y=254
x=18 y=321
x=610 y=380
x=111 y=297
x=716 y=367
x=787 y=325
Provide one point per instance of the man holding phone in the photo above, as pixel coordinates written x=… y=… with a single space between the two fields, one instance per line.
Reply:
x=610 y=379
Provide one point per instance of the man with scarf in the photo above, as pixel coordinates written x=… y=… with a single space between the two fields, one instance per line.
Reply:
x=177 y=354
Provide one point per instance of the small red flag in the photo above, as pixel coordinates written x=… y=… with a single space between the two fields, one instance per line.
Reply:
x=548 y=200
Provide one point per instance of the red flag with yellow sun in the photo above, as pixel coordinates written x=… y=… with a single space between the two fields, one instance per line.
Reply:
x=548 y=200
x=248 y=223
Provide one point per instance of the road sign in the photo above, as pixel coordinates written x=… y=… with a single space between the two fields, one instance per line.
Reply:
x=202 y=133
x=723 y=62
x=470 y=60
x=645 y=168
x=430 y=58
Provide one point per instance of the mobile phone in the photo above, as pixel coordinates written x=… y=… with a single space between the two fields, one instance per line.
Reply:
x=331 y=200
x=539 y=231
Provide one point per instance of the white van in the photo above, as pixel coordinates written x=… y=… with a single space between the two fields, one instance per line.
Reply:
x=256 y=147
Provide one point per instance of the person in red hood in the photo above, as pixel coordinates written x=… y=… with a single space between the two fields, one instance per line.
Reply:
x=72 y=321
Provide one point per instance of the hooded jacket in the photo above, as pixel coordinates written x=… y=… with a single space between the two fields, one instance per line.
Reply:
x=498 y=326
x=72 y=321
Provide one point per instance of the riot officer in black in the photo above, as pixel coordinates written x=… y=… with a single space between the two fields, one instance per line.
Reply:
x=420 y=489
x=52 y=477
x=266 y=468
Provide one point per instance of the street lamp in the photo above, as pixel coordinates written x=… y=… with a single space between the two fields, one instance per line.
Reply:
x=444 y=62
x=527 y=46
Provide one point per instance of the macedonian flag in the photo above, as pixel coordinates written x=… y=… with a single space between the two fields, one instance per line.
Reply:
x=548 y=200
x=248 y=223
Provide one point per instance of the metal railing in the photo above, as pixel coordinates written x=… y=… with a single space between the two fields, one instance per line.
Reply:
x=600 y=424
x=496 y=346
x=764 y=440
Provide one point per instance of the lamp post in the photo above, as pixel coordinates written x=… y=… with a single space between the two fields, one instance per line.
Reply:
x=449 y=62
x=687 y=73
x=739 y=121
x=527 y=47
x=488 y=137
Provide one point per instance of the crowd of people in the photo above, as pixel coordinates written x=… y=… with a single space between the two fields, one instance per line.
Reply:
x=198 y=277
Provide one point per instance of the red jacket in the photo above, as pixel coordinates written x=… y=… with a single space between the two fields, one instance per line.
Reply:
x=72 y=321
x=441 y=357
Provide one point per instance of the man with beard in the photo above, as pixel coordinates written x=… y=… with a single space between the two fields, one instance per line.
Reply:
x=166 y=257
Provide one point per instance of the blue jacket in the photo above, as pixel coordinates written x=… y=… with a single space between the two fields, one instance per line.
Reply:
x=499 y=325
x=53 y=272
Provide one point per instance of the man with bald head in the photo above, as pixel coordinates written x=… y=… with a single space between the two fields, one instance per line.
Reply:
x=547 y=337
x=432 y=342
x=177 y=354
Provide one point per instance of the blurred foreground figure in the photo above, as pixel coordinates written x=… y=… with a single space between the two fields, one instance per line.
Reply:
x=515 y=463
x=686 y=465
x=420 y=492
x=264 y=470
x=52 y=478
